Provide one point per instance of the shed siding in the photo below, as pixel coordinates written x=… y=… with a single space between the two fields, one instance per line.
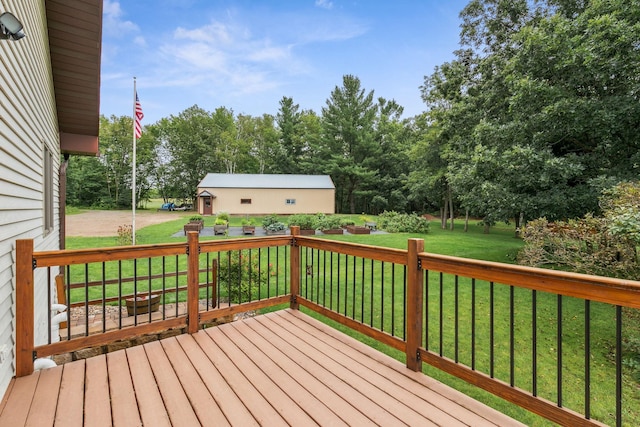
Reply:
x=28 y=123
x=269 y=201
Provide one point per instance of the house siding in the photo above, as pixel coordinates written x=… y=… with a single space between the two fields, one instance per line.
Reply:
x=268 y=194
x=28 y=123
x=270 y=201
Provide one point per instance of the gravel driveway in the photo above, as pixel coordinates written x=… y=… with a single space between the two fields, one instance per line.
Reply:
x=106 y=223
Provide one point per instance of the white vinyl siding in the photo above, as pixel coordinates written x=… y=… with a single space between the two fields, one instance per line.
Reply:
x=28 y=130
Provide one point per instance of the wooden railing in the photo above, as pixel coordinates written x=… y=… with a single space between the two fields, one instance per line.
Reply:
x=489 y=324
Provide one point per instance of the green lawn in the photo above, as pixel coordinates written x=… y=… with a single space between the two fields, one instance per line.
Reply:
x=500 y=245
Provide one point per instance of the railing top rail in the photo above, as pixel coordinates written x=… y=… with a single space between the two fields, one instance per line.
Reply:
x=244 y=243
x=115 y=253
x=119 y=253
x=397 y=256
x=595 y=288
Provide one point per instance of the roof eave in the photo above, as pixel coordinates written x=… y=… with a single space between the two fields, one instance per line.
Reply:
x=75 y=43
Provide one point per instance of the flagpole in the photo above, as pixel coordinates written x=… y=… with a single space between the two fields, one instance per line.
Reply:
x=133 y=173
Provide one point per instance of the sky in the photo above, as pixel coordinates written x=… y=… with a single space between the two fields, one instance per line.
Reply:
x=246 y=55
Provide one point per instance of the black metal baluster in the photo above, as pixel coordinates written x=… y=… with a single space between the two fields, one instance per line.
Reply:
x=104 y=296
x=559 y=346
x=371 y=293
x=260 y=274
x=346 y=283
x=239 y=276
x=362 y=292
x=512 y=338
x=331 y=283
x=277 y=270
x=164 y=288
x=404 y=304
x=149 y=294
x=353 y=300
x=324 y=278
x=587 y=359
x=269 y=273
x=120 y=294
x=382 y=296
x=68 y=291
x=135 y=292
x=393 y=299
x=473 y=324
x=49 y=304
x=491 y=330
x=456 y=325
x=177 y=293
x=534 y=342
x=441 y=312
x=338 y=288
x=86 y=299
x=426 y=309
x=619 y=366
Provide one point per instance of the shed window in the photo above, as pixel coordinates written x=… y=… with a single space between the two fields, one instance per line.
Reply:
x=245 y=201
x=290 y=202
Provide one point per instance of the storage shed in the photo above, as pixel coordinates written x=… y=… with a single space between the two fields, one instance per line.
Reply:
x=260 y=194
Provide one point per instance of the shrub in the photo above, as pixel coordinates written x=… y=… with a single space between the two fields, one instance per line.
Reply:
x=248 y=221
x=223 y=215
x=395 y=222
x=239 y=276
x=195 y=218
x=272 y=223
x=584 y=245
x=345 y=221
x=304 y=221
x=328 y=222
x=125 y=235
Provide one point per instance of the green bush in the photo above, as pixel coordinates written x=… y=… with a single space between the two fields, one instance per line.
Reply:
x=272 y=223
x=328 y=222
x=239 y=276
x=248 y=221
x=395 y=222
x=223 y=215
x=304 y=221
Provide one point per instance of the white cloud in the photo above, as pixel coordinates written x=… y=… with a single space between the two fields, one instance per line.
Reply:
x=325 y=4
x=113 y=22
x=228 y=56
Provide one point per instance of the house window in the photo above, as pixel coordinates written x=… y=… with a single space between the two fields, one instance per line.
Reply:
x=48 y=191
x=290 y=202
x=245 y=201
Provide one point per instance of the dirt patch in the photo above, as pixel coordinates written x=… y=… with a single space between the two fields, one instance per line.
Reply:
x=106 y=223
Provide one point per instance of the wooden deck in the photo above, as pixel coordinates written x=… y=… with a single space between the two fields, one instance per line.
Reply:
x=282 y=368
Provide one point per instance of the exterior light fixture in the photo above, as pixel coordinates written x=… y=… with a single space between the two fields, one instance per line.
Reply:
x=10 y=27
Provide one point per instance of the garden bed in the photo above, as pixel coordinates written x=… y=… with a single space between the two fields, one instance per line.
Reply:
x=358 y=229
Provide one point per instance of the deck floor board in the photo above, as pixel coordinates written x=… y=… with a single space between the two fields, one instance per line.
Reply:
x=281 y=368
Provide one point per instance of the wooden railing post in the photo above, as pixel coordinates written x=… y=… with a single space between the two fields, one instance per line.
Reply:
x=24 y=307
x=294 y=268
x=193 y=277
x=415 y=299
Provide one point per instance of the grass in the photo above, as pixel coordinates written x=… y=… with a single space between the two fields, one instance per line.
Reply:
x=501 y=246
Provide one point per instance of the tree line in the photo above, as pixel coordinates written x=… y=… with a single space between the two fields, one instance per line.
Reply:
x=535 y=116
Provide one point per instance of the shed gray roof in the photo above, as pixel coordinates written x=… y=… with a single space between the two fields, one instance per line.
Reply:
x=240 y=180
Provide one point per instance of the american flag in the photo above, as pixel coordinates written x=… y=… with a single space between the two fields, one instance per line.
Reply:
x=139 y=116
